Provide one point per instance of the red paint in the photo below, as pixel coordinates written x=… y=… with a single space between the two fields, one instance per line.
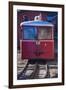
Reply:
x=45 y=50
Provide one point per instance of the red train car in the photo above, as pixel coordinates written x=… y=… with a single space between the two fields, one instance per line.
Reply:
x=37 y=40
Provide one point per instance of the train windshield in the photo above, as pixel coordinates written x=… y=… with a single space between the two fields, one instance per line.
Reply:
x=29 y=33
x=33 y=33
x=45 y=33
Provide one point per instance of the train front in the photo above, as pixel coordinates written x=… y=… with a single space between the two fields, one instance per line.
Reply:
x=37 y=40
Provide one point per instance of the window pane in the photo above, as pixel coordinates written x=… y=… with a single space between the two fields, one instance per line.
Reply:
x=45 y=33
x=29 y=33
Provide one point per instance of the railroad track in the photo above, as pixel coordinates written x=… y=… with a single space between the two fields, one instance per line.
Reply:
x=37 y=70
x=28 y=72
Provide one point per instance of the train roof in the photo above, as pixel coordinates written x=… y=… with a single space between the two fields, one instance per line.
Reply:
x=36 y=23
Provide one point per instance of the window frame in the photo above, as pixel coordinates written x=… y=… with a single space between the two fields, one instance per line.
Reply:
x=37 y=30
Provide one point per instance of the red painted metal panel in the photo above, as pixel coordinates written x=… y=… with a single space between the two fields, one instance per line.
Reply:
x=48 y=50
x=44 y=50
x=28 y=49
